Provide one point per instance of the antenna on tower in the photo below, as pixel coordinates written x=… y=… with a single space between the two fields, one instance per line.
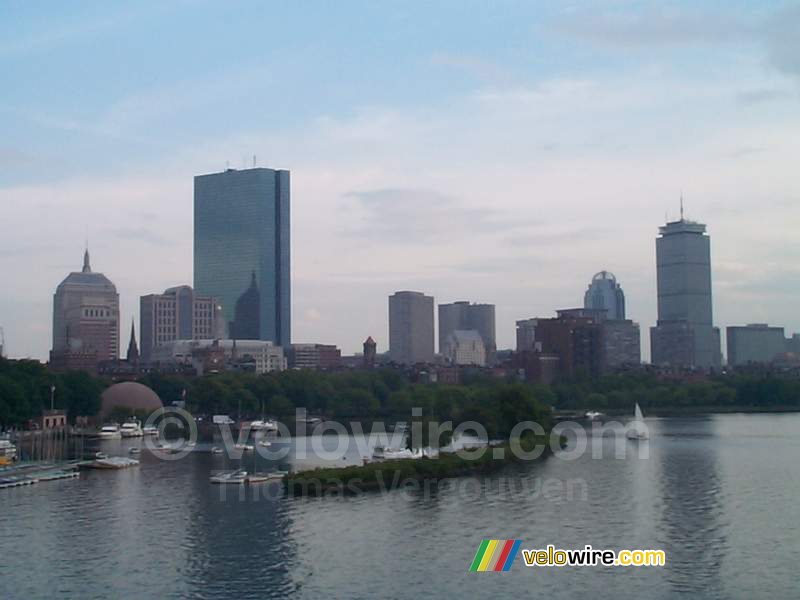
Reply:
x=254 y=161
x=681 y=206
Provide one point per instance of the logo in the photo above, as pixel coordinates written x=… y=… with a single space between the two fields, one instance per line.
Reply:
x=495 y=555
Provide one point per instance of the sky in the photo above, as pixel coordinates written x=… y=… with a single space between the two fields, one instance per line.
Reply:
x=498 y=152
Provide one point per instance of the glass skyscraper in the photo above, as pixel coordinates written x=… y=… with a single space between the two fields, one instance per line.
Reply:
x=241 y=243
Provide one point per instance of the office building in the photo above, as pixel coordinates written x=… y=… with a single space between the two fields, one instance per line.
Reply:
x=463 y=316
x=605 y=293
x=242 y=250
x=317 y=357
x=177 y=314
x=576 y=342
x=464 y=347
x=85 y=321
x=370 y=353
x=685 y=335
x=754 y=343
x=411 y=333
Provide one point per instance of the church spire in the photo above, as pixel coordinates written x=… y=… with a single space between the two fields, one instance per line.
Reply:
x=86 y=266
x=133 y=348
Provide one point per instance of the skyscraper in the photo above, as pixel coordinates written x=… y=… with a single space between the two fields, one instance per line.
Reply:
x=685 y=335
x=410 y=328
x=241 y=244
x=463 y=316
x=177 y=314
x=85 y=320
x=604 y=293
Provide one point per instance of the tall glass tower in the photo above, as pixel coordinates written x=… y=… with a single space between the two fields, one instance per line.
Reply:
x=241 y=243
x=685 y=335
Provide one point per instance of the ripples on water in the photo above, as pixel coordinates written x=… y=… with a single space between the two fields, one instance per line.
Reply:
x=718 y=494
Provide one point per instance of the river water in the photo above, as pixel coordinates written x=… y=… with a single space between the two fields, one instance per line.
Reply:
x=718 y=494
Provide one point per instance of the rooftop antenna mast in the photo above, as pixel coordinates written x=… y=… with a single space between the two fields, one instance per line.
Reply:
x=254 y=161
x=2 y=341
x=681 y=206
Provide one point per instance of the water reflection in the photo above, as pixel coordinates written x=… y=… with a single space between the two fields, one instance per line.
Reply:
x=691 y=528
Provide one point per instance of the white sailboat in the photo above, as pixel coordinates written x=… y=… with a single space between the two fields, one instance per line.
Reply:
x=637 y=430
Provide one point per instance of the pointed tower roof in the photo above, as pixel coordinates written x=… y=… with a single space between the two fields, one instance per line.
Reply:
x=87 y=268
x=133 y=348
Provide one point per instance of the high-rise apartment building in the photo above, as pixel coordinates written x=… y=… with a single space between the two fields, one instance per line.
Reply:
x=242 y=250
x=411 y=330
x=604 y=293
x=177 y=314
x=685 y=335
x=463 y=316
x=85 y=320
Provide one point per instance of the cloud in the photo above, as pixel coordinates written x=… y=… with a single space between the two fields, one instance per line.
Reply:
x=415 y=216
x=140 y=234
x=782 y=34
x=481 y=69
x=761 y=96
x=656 y=27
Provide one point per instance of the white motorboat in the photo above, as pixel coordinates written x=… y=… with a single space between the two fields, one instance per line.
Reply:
x=217 y=450
x=264 y=425
x=593 y=415
x=227 y=477
x=150 y=430
x=131 y=428
x=244 y=447
x=109 y=432
x=637 y=430
x=264 y=443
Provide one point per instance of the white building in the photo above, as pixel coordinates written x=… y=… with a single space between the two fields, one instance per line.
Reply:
x=465 y=347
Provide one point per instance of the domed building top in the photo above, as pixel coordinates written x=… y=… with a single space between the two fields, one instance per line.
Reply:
x=604 y=275
x=130 y=396
x=88 y=278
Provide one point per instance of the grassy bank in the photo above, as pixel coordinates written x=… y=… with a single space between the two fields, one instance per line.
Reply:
x=389 y=475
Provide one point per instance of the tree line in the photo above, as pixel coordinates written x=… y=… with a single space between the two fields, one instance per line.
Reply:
x=389 y=394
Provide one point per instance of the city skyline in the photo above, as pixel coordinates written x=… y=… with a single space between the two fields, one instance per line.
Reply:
x=543 y=153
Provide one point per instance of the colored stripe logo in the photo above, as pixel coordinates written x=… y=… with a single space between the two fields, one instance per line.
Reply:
x=495 y=555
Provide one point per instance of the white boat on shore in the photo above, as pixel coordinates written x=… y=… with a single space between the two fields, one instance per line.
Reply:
x=109 y=432
x=396 y=453
x=7 y=449
x=637 y=430
x=244 y=447
x=150 y=430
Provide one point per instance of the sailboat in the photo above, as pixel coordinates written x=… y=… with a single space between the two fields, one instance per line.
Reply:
x=637 y=430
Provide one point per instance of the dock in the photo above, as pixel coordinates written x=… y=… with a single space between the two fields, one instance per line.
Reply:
x=29 y=474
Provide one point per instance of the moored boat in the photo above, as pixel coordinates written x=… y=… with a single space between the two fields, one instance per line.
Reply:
x=229 y=477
